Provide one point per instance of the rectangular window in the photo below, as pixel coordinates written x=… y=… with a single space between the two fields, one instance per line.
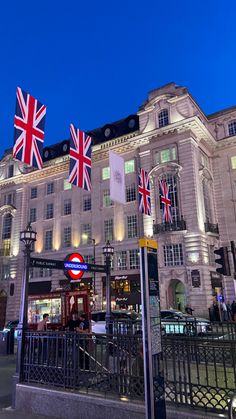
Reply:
x=67 y=237
x=32 y=215
x=9 y=199
x=34 y=193
x=86 y=233
x=108 y=230
x=165 y=155
x=129 y=166
x=50 y=188
x=4 y=272
x=134 y=259
x=67 y=207
x=233 y=162
x=107 y=202
x=87 y=205
x=131 y=193
x=121 y=260
x=49 y=211
x=67 y=185
x=132 y=226
x=11 y=170
x=105 y=173
x=88 y=259
x=48 y=240
x=173 y=255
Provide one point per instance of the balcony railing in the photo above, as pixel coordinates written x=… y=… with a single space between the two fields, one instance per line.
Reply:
x=5 y=251
x=211 y=228
x=177 y=225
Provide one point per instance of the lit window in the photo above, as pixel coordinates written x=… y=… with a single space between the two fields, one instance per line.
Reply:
x=50 y=188
x=32 y=215
x=105 y=173
x=165 y=155
x=107 y=202
x=49 y=211
x=232 y=128
x=86 y=233
x=173 y=255
x=87 y=203
x=67 y=207
x=121 y=260
x=48 y=240
x=34 y=193
x=67 y=185
x=129 y=166
x=163 y=118
x=4 y=272
x=7 y=224
x=233 y=162
x=131 y=193
x=134 y=259
x=132 y=226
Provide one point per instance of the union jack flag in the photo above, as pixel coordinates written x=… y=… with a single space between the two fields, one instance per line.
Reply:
x=80 y=159
x=29 y=124
x=165 y=201
x=144 y=192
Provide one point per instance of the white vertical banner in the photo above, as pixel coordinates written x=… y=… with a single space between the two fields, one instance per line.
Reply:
x=117 y=178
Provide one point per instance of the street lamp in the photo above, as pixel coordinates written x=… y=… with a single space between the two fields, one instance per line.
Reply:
x=28 y=237
x=108 y=252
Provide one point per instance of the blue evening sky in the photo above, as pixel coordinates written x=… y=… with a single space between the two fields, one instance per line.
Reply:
x=94 y=62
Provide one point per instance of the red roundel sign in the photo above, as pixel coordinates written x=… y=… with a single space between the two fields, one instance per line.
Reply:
x=75 y=257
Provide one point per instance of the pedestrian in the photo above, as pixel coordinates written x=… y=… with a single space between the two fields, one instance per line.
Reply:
x=233 y=310
x=189 y=310
x=73 y=323
x=42 y=339
x=42 y=325
x=224 y=312
x=228 y=305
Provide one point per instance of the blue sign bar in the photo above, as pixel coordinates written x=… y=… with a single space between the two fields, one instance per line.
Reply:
x=75 y=266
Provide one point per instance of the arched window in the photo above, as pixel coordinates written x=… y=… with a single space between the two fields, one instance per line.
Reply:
x=206 y=189
x=171 y=180
x=232 y=128
x=6 y=228
x=163 y=118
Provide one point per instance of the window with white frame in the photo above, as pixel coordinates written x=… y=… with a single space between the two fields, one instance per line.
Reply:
x=50 y=188
x=165 y=155
x=105 y=173
x=130 y=192
x=173 y=255
x=121 y=260
x=171 y=181
x=134 y=259
x=132 y=230
x=232 y=128
x=233 y=162
x=33 y=215
x=86 y=233
x=67 y=185
x=33 y=193
x=108 y=230
x=107 y=202
x=87 y=203
x=9 y=199
x=49 y=211
x=129 y=166
x=7 y=226
x=48 y=240
x=88 y=259
x=163 y=118
x=67 y=207
x=40 y=272
x=67 y=236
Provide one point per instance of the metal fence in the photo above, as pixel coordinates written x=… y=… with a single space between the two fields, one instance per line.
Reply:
x=200 y=368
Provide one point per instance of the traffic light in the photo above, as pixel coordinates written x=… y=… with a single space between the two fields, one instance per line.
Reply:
x=223 y=261
x=233 y=250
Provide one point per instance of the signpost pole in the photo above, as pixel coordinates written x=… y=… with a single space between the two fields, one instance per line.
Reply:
x=155 y=407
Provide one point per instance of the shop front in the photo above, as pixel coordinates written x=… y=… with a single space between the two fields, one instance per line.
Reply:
x=125 y=292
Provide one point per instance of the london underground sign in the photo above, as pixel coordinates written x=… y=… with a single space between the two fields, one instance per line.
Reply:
x=73 y=262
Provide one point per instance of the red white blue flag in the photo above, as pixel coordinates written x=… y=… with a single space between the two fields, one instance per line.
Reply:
x=144 y=192
x=29 y=129
x=165 y=201
x=80 y=159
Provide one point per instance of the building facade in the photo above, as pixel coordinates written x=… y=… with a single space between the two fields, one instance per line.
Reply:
x=172 y=139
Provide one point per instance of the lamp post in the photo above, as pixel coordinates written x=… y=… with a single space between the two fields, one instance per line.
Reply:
x=108 y=252
x=28 y=237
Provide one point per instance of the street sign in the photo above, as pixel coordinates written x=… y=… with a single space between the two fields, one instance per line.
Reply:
x=67 y=265
x=46 y=263
x=152 y=350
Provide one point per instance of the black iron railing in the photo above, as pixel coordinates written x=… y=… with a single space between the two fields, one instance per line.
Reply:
x=211 y=228
x=177 y=225
x=199 y=362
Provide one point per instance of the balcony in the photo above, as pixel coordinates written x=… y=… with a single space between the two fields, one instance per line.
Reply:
x=5 y=251
x=211 y=228
x=177 y=225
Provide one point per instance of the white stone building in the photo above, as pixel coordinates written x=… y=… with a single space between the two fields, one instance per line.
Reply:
x=171 y=138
